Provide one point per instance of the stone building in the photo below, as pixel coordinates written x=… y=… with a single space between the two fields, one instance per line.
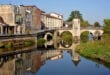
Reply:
x=52 y=20
x=20 y=19
x=31 y=18
x=7 y=15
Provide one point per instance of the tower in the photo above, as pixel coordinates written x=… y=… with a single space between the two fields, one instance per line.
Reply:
x=76 y=28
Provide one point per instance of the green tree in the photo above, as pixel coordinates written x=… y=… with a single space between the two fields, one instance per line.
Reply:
x=85 y=24
x=75 y=14
x=96 y=24
x=107 y=26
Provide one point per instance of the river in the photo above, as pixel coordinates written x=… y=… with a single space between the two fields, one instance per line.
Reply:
x=65 y=65
x=51 y=62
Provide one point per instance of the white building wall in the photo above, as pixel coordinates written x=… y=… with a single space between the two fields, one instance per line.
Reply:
x=51 y=21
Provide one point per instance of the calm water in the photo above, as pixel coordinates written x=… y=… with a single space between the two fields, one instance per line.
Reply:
x=66 y=66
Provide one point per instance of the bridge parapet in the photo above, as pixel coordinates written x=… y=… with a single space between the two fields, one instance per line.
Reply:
x=93 y=28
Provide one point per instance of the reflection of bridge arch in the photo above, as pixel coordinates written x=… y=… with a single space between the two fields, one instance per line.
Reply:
x=73 y=46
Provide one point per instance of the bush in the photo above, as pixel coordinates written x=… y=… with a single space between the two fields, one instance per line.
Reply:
x=84 y=37
x=96 y=49
x=41 y=42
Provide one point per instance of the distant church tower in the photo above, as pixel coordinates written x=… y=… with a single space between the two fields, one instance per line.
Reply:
x=76 y=27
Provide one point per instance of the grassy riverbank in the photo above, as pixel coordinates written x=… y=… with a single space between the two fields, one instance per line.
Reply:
x=99 y=50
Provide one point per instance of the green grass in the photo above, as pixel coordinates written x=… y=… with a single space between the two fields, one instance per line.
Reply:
x=96 y=49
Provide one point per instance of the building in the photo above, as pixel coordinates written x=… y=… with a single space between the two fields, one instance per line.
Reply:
x=52 y=20
x=7 y=14
x=31 y=18
x=21 y=19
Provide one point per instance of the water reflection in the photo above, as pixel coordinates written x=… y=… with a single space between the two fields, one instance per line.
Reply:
x=51 y=62
x=66 y=66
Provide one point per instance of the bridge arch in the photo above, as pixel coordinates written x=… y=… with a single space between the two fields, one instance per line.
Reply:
x=93 y=31
x=90 y=31
x=98 y=32
x=48 y=36
x=66 y=39
x=61 y=31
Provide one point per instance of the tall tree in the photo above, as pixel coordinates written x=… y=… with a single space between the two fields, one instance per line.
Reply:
x=75 y=14
x=96 y=24
x=107 y=26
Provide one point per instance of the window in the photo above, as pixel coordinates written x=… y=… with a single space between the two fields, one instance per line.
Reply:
x=19 y=19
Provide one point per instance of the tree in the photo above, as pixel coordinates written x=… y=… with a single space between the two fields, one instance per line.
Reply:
x=96 y=24
x=75 y=14
x=85 y=24
x=107 y=26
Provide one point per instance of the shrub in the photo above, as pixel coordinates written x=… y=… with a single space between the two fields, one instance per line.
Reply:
x=41 y=42
x=84 y=37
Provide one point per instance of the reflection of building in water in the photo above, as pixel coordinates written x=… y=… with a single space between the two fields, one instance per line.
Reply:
x=56 y=57
x=8 y=68
x=36 y=62
x=30 y=61
x=19 y=67
x=49 y=54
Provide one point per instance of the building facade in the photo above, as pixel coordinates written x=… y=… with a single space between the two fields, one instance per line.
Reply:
x=52 y=20
x=31 y=18
x=20 y=19
x=7 y=14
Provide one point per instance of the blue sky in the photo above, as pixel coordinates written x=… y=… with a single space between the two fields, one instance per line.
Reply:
x=92 y=10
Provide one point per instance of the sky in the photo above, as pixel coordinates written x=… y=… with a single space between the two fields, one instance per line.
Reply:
x=91 y=10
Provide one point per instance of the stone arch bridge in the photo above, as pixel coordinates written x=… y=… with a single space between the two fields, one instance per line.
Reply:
x=75 y=30
x=83 y=29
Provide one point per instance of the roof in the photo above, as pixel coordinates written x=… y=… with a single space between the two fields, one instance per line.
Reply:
x=48 y=15
x=56 y=13
x=32 y=6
